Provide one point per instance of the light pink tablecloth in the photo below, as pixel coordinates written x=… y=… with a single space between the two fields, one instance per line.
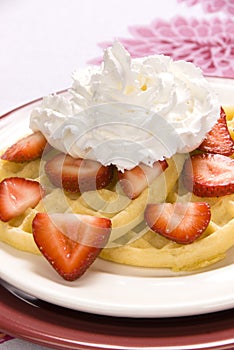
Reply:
x=43 y=41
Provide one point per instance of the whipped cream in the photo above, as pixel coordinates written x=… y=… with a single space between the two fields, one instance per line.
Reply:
x=130 y=111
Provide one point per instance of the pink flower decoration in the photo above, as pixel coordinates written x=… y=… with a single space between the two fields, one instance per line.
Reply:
x=211 y=6
x=207 y=43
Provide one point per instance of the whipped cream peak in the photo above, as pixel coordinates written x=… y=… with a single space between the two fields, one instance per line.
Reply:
x=130 y=111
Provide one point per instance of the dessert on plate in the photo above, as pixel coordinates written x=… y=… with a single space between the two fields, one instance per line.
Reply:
x=133 y=165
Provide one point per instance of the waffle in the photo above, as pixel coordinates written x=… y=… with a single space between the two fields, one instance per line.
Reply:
x=131 y=241
x=110 y=202
x=153 y=250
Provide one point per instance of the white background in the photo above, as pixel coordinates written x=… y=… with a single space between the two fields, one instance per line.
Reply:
x=43 y=41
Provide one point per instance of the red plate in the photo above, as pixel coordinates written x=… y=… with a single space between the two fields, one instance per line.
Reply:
x=61 y=328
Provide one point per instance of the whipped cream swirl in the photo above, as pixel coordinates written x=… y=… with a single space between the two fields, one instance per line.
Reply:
x=130 y=111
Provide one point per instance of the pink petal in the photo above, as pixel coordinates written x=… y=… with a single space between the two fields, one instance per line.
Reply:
x=214 y=5
x=178 y=21
x=158 y=22
x=194 y=22
x=131 y=42
x=218 y=52
x=216 y=29
x=230 y=10
x=202 y=30
x=166 y=32
x=223 y=63
x=186 y=32
x=96 y=61
x=140 y=31
x=230 y=28
x=105 y=44
x=215 y=21
x=228 y=73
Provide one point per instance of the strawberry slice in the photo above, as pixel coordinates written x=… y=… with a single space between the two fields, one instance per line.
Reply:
x=70 y=242
x=219 y=140
x=209 y=175
x=134 y=181
x=77 y=175
x=18 y=194
x=26 y=149
x=179 y=222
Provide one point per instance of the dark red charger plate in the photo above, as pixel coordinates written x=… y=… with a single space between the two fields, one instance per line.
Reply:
x=62 y=328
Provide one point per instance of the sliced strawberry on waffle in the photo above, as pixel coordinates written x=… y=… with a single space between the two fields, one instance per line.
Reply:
x=26 y=149
x=180 y=222
x=77 y=175
x=134 y=181
x=18 y=194
x=70 y=242
x=209 y=175
x=219 y=140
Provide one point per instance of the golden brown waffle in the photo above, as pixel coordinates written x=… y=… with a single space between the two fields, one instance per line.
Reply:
x=153 y=250
x=131 y=241
x=125 y=214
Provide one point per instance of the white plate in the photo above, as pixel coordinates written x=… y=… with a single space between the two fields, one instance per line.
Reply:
x=112 y=289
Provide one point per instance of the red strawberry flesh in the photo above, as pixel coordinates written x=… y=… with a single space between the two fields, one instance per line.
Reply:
x=209 y=175
x=179 y=222
x=70 y=242
x=219 y=140
x=18 y=194
x=26 y=149
x=77 y=175
x=134 y=181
